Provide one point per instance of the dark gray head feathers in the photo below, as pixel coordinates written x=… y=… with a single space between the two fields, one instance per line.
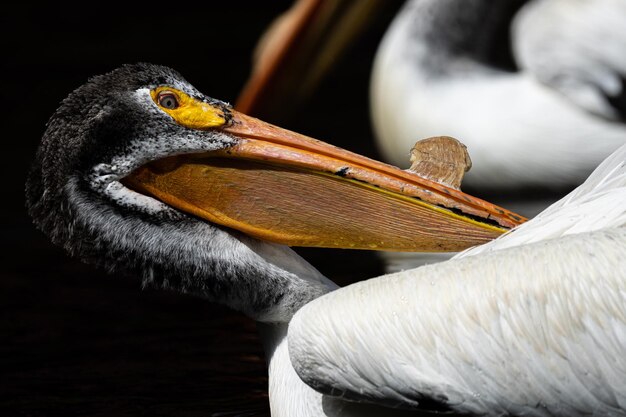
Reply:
x=100 y=133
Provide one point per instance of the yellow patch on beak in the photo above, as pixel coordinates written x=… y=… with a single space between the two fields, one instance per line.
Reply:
x=186 y=110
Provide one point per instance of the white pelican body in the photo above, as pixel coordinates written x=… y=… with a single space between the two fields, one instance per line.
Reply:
x=532 y=323
x=548 y=124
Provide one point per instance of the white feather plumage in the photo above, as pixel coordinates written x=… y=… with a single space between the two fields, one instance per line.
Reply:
x=533 y=323
x=530 y=324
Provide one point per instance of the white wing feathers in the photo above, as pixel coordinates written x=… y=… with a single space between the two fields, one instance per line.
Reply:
x=598 y=203
x=539 y=328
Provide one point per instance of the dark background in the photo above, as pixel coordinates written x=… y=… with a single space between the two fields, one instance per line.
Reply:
x=76 y=341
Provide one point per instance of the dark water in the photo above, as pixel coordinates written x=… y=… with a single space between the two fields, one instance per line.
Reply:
x=79 y=342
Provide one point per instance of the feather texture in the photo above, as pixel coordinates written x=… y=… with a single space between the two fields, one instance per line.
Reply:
x=532 y=325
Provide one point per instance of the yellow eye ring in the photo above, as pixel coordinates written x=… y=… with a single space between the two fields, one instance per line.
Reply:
x=186 y=110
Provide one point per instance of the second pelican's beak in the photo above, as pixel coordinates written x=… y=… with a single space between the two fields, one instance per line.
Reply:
x=280 y=186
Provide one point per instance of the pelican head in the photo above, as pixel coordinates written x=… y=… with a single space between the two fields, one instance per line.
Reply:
x=100 y=134
x=139 y=171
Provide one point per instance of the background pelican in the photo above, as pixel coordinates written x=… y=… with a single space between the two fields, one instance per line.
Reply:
x=544 y=120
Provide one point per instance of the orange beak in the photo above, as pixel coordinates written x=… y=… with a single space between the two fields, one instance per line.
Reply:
x=284 y=187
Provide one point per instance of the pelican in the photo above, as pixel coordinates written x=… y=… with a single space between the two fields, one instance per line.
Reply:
x=140 y=172
x=545 y=119
x=532 y=323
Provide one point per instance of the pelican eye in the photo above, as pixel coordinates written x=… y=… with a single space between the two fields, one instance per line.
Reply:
x=167 y=100
x=187 y=111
